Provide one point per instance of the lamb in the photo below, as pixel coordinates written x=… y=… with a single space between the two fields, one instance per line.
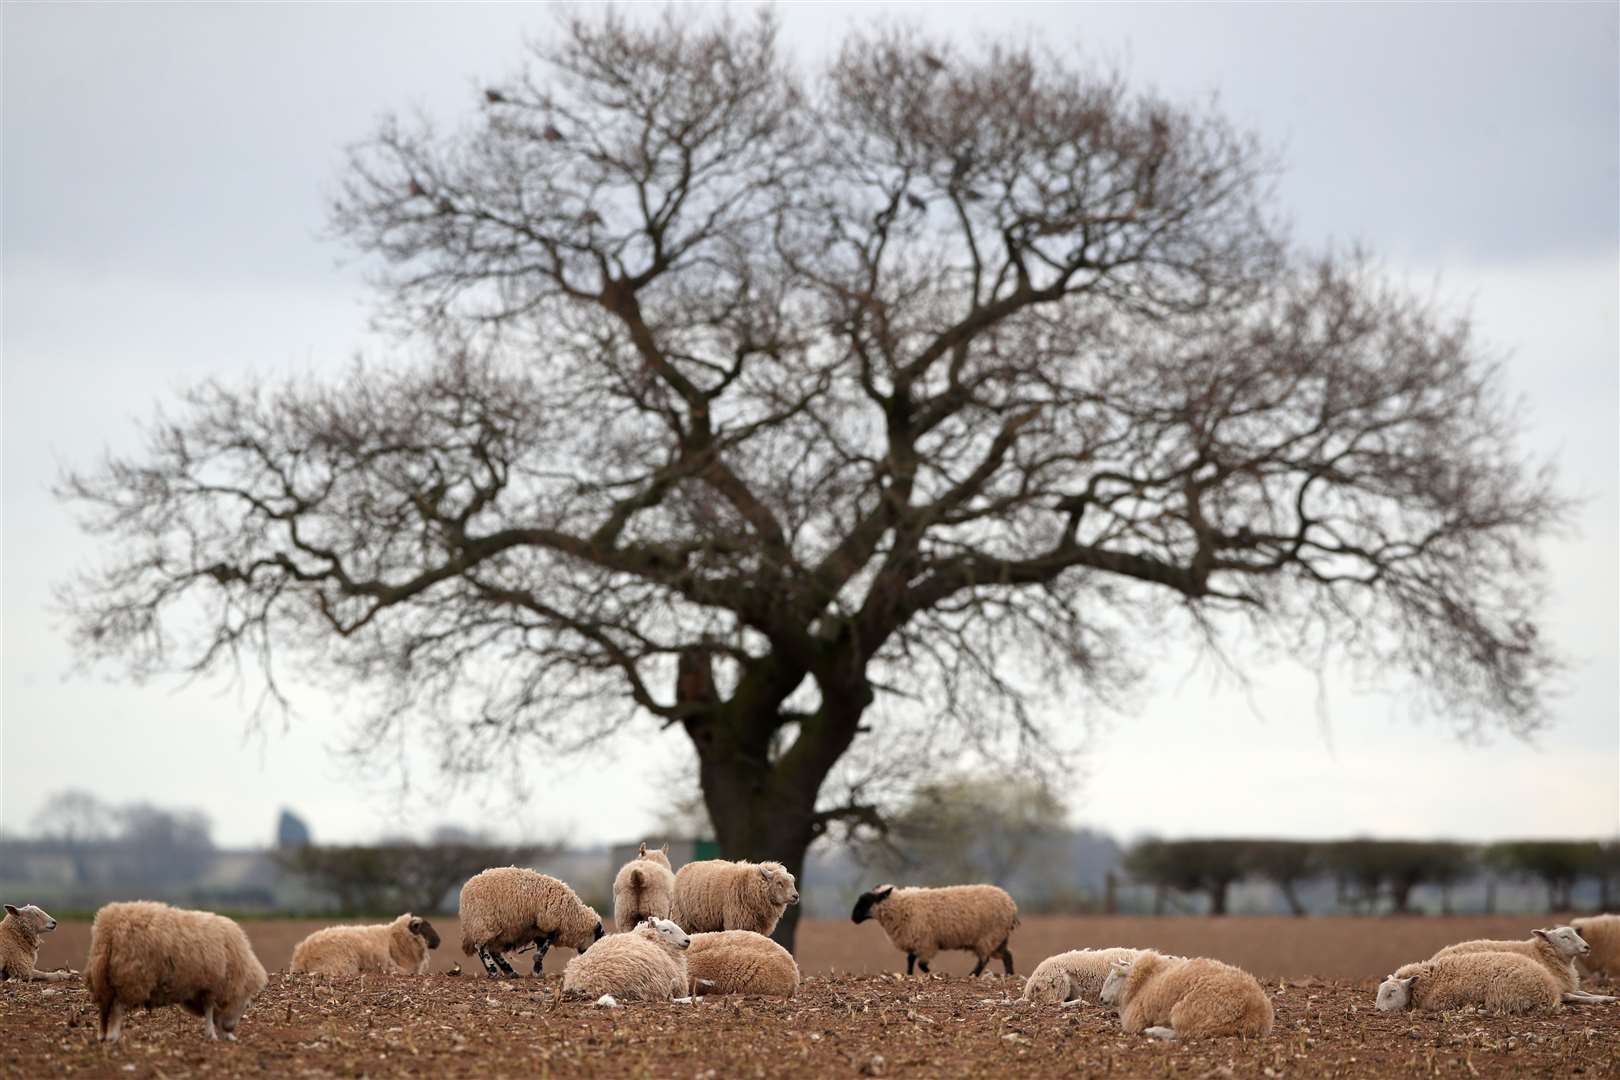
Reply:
x=1073 y=976
x=718 y=895
x=921 y=922
x=1602 y=933
x=646 y=964
x=509 y=907
x=1503 y=982
x=741 y=962
x=146 y=954
x=1171 y=997
x=20 y=932
x=644 y=889
x=396 y=948
x=1554 y=949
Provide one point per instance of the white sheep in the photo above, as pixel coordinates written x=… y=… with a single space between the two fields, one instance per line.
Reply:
x=1171 y=997
x=147 y=955
x=718 y=895
x=646 y=964
x=740 y=962
x=1556 y=950
x=1501 y=982
x=643 y=889
x=1602 y=933
x=396 y=948
x=921 y=922
x=20 y=932
x=510 y=906
x=1077 y=975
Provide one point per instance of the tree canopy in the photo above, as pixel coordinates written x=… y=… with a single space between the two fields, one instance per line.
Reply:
x=737 y=399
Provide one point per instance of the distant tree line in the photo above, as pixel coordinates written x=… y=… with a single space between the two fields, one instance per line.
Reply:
x=398 y=875
x=1370 y=875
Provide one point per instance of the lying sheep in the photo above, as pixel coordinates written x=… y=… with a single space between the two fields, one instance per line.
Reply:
x=396 y=948
x=1602 y=933
x=1073 y=976
x=20 y=932
x=921 y=922
x=646 y=964
x=1171 y=997
x=145 y=954
x=509 y=907
x=1502 y=982
x=718 y=895
x=740 y=962
x=644 y=889
x=1555 y=950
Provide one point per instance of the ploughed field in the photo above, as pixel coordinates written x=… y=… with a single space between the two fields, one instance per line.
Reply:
x=846 y=1021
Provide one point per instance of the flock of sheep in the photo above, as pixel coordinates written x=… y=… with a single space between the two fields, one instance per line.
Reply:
x=704 y=930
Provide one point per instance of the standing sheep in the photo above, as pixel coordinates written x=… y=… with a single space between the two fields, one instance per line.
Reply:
x=921 y=922
x=396 y=948
x=509 y=907
x=1500 y=981
x=646 y=964
x=741 y=962
x=145 y=954
x=1073 y=976
x=1171 y=998
x=643 y=889
x=1602 y=933
x=1555 y=949
x=718 y=895
x=20 y=932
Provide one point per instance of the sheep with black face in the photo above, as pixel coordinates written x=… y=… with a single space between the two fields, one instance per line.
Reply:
x=922 y=922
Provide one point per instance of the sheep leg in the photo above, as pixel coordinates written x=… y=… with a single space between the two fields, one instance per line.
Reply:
x=500 y=962
x=911 y=963
x=541 y=947
x=1006 y=958
x=112 y=1022
x=1160 y=1032
x=983 y=960
x=208 y=1024
x=1581 y=997
x=923 y=966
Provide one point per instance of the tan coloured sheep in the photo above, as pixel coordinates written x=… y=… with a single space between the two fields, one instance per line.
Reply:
x=718 y=895
x=921 y=922
x=147 y=955
x=1556 y=950
x=1502 y=982
x=396 y=948
x=646 y=964
x=1602 y=933
x=643 y=889
x=1174 y=998
x=510 y=906
x=740 y=962
x=20 y=932
x=1073 y=976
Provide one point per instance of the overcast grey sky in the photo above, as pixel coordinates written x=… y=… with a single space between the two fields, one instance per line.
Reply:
x=164 y=174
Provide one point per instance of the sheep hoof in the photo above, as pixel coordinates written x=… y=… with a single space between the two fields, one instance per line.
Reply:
x=1160 y=1032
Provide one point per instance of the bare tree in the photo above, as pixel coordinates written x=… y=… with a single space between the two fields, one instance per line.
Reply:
x=790 y=411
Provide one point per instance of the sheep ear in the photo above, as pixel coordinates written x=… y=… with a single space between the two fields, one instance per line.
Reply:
x=643 y=851
x=10 y=910
x=665 y=848
x=882 y=892
x=1544 y=935
x=766 y=872
x=1408 y=981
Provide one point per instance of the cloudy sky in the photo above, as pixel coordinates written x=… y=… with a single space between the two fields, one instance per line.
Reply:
x=165 y=172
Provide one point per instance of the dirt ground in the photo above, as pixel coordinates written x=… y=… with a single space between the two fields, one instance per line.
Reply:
x=841 y=1024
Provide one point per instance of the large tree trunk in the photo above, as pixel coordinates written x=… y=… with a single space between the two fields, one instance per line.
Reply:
x=750 y=824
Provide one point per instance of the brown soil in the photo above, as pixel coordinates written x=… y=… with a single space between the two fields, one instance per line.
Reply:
x=840 y=1024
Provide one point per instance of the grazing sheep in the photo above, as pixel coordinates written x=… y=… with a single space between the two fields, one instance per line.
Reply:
x=644 y=889
x=145 y=954
x=646 y=964
x=1602 y=933
x=1503 y=982
x=718 y=895
x=509 y=907
x=20 y=932
x=1555 y=950
x=1073 y=976
x=921 y=922
x=396 y=948
x=740 y=962
x=1170 y=997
